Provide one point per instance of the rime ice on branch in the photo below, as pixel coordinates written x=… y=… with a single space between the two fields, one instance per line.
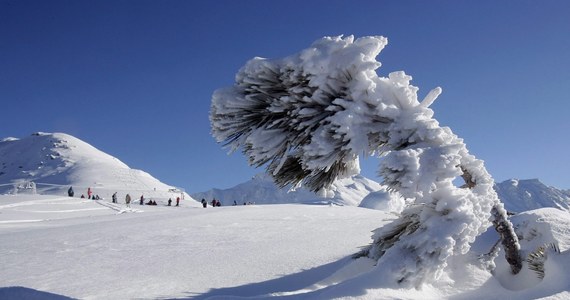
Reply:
x=309 y=116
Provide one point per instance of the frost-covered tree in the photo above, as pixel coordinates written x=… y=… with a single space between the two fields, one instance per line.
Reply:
x=309 y=116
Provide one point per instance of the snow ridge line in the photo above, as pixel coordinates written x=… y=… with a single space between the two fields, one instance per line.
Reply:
x=32 y=202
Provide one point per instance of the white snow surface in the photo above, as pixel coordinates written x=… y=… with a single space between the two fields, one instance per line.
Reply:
x=53 y=247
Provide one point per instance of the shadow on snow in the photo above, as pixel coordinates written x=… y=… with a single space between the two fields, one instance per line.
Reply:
x=24 y=293
x=286 y=284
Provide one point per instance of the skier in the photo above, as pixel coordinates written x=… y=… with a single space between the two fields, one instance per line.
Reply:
x=89 y=193
x=169 y=202
x=142 y=200
x=114 y=197
x=204 y=203
x=70 y=192
x=128 y=200
x=177 y=200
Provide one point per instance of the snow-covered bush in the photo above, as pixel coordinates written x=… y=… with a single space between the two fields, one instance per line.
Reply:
x=309 y=116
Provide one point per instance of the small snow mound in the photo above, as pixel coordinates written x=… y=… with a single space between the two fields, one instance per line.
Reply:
x=538 y=228
x=385 y=201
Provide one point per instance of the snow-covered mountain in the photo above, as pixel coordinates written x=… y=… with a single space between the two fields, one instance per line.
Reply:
x=517 y=195
x=261 y=190
x=55 y=161
x=529 y=194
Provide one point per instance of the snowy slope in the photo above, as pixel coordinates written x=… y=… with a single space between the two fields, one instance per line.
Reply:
x=55 y=161
x=261 y=190
x=523 y=195
x=166 y=252
x=263 y=251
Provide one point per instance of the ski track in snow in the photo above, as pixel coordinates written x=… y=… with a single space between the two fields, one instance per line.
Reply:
x=22 y=221
x=117 y=207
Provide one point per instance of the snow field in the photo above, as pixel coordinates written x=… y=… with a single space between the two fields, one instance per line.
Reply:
x=60 y=246
x=176 y=251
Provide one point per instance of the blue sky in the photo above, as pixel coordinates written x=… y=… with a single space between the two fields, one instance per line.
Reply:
x=135 y=78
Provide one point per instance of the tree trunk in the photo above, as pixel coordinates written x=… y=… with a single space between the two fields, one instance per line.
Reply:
x=503 y=226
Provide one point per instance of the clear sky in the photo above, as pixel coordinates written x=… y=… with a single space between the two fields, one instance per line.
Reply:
x=135 y=78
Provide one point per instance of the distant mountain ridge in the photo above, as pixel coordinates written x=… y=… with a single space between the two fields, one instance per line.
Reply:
x=523 y=195
x=517 y=195
x=261 y=190
x=55 y=161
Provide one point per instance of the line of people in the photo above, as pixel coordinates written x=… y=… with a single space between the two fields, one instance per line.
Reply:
x=128 y=199
x=214 y=203
x=141 y=202
x=217 y=203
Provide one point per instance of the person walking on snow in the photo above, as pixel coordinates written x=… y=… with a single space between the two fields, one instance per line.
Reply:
x=114 y=197
x=142 y=200
x=89 y=193
x=177 y=200
x=70 y=192
x=128 y=200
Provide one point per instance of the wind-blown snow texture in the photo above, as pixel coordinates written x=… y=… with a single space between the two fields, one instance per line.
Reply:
x=310 y=115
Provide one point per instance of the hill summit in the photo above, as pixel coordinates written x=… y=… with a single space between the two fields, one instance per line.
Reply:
x=56 y=161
